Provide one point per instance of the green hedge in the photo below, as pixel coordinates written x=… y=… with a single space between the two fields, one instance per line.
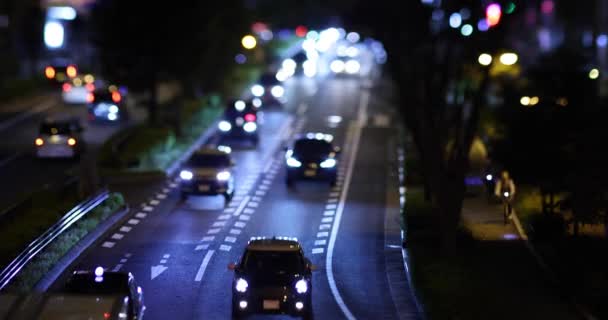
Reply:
x=46 y=260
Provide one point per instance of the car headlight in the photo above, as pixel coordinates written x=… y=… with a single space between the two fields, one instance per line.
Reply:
x=250 y=127
x=292 y=162
x=186 y=175
x=277 y=91
x=223 y=176
x=241 y=285
x=113 y=108
x=301 y=286
x=224 y=126
x=352 y=66
x=328 y=163
x=256 y=102
x=337 y=66
x=257 y=90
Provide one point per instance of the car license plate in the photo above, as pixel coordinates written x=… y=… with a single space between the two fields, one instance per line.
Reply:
x=203 y=187
x=55 y=139
x=271 y=304
x=310 y=173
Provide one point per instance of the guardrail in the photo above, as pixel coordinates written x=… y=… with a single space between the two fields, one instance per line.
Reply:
x=36 y=246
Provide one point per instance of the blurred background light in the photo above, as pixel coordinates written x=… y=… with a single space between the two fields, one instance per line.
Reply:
x=53 y=34
x=455 y=20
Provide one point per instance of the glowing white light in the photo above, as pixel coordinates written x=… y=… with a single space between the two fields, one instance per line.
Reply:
x=240 y=105
x=506 y=194
x=277 y=91
x=352 y=66
x=242 y=304
x=282 y=75
x=455 y=20
x=334 y=119
x=186 y=175
x=257 y=90
x=250 y=127
x=61 y=13
x=341 y=51
x=352 y=52
x=489 y=177
x=484 y=59
x=53 y=34
x=291 y=162
x=353 y=37
x=224 y=126
x=466 y=30
x=594 y=74
x=319 y=136
x=310 y=69
x=337 y=66
x=113 y=108
x=301 y=286
x=241 y=285
x=112 y=116
x=225 y=149
x=309 y=45
x=289 y=64
x=328 y=163
x=312 y=35
x=223 y=176
x=508 y=59
x=257 y=102
x=99 y=271
x=299 y=305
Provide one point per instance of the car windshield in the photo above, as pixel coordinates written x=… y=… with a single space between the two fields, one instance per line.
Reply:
x=310 y=147
x=103 y=96
x=209 y=160
x=106 y=285
x=268 y=79
x=55 y=128
x=284 y=262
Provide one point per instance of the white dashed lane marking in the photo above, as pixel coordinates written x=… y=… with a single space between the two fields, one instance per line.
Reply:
x=224 y=217
x=255 y=198
x=133 y=221
x=240 y=224
x=141 y=215
x=117 y=236
x=329 y=213
x=327 y=220
x=208 y=238
x=325 y=227
x=148 y=208
x=219 y=224
x=163 y=261
x=334 y=194
x=230 y=239
x=253 y=204
x=235 y=231
x=202 y=247
x=331 y=207
x=318 y=250
x=213 y=231
x=332 y=201
x=161 y=196
x=117 y=268
x=108 y=244
x=125 y=229
x=323 y=234
x=320 y=242
x=166 y=256
x=154 y=202
x=245 y=217
x=225 y=247
x=260 y=193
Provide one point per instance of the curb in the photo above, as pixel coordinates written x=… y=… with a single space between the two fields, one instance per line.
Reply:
x=71 y=257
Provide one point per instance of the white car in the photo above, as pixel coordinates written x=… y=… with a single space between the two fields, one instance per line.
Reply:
x=59 y=139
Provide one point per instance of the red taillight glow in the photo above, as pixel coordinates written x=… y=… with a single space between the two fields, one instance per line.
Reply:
x=116 y=96
x=67 y=87
x=39 y=142
x=90 y=97
x=90 y=87
x=71 y=142
x=71 y=71
x=106 y=315
x=49 y=72
x=250 y=117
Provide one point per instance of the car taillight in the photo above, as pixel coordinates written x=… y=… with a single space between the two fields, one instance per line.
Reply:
x=116 y=96
x=71 y=141
x=49 y=72
x=39 y=142
x=90 y=97
x=90 y=87
x=250 y=117
x=67 y=87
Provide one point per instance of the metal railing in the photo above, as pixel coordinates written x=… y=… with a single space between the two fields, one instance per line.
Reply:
x=36 y=246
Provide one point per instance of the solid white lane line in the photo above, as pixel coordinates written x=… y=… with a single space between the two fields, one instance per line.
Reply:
x=125 y=229
x=208 y=238
x=239 y=224
x=317 y=250
x=225 y=247
x=320 y=242
x=141 y=215
x=323 y=234
x=267 y=167
x=329 y=268
x=117 y=236
x=133 y=221
x=242 y=206
x=235 y=231
x=202 y=247
x=108 y=244
x=230 y=239
x=213 y=231
x=204 y=264
x=329 y=213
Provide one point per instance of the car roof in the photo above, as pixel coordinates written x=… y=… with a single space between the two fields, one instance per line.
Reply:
x=282 y=244
x=314 y=136
x=62 y=120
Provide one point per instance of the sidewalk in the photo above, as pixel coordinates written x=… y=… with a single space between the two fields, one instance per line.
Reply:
x=485 y=220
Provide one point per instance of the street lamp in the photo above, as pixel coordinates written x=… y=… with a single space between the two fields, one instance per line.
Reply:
x=508 y=59
x=484 y=59
x=249 y=42
x=594 y=74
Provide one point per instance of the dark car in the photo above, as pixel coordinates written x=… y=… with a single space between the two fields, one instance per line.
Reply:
x=273 y=276
x=105 y=104
x=208 y=172
x=269 y=89
x=105 y=283
x=312 y=156
x=60 y=138
x=240 y=120
x=57 y=74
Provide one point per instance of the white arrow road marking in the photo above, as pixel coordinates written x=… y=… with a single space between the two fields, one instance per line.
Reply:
x=157 y=270
x=201 y=270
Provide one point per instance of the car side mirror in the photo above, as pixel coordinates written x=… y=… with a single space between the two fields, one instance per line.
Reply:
x=232 y=266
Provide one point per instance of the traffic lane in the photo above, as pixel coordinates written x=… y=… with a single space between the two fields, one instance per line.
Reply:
x=359 y=262
x=280 y=211
x=162 y=247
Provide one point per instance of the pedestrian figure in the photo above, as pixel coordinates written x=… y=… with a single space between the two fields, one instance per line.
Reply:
x=505 y=190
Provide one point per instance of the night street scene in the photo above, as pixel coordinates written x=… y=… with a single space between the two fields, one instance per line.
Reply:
x=266 y=159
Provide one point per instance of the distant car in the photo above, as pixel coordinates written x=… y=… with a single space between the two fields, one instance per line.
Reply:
x=273 y=276
x=312 y=156
x=107 y=104
x=100 y=282
x=60 y=139
x=208 y=172
x=58 y=74
x=76 y=90
x=269 y=89
x=240 y=120
x=345 y=66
